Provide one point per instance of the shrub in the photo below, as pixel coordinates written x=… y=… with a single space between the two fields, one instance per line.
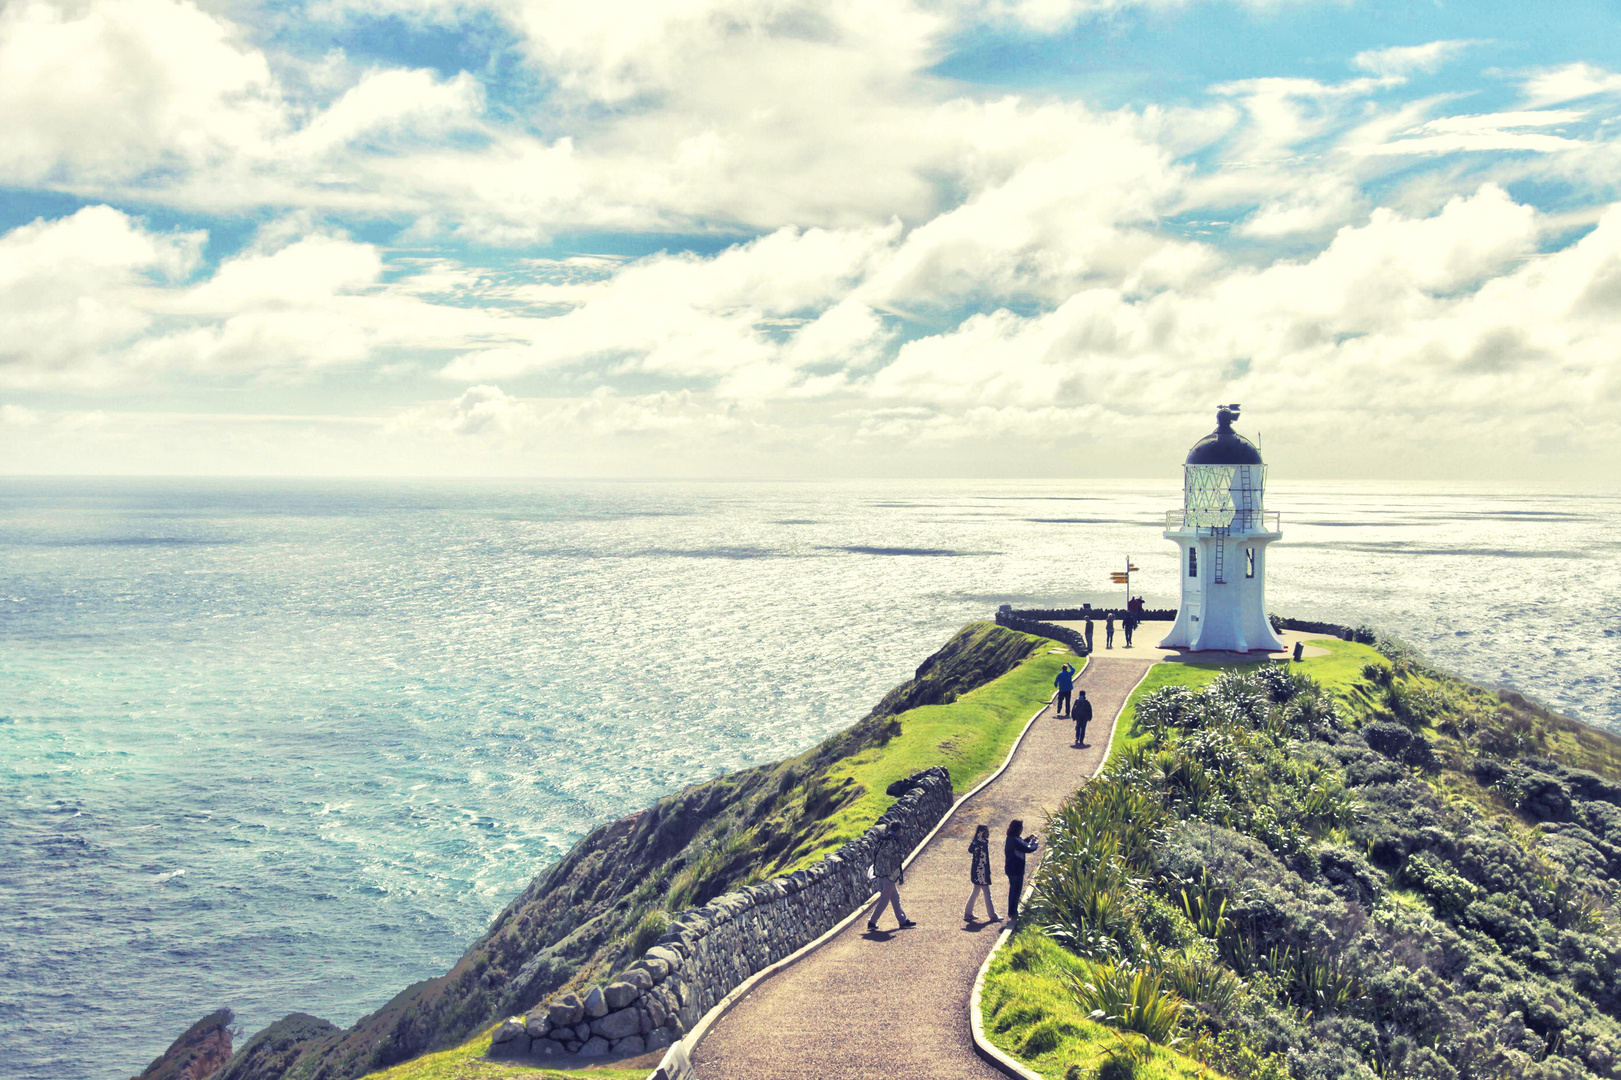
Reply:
x=1202 y=982
x=1230 y=1054
x=1378 y=674
x=1164 y=925
x=1166 y=708
x=1129 y=998
x=1388 y=739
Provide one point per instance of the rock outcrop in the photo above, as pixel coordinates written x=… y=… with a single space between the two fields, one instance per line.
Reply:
x=204 y=1047
x=273 y=1051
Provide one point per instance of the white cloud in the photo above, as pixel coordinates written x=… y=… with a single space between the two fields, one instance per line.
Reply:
x=96 y=299
x=1570 y=82
x=680 y=315
x=73 y=291
x=1404 y=60
x=111 y=89
x=391 y=105
x=916 y=260
x=1315 y=204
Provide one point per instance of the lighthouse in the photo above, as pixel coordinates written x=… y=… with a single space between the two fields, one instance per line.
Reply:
x=1222 y=532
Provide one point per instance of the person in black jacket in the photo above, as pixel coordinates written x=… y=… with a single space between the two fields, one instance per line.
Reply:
x=1081 y=711
x=1013 y=853
x=979 y=872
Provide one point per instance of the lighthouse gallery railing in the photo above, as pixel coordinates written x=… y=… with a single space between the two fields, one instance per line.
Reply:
x=1251 y=521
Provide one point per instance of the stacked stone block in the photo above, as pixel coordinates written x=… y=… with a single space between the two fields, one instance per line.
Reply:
x=710 y=950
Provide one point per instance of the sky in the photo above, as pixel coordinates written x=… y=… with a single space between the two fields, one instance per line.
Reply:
x=782 y=239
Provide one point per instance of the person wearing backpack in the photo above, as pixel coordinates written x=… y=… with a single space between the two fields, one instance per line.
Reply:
x=889 y=873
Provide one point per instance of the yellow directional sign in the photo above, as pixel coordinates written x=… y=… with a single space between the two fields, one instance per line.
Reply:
x=1118 y=578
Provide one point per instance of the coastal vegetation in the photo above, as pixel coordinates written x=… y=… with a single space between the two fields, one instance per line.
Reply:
x=612 y=895
x=1353 y=867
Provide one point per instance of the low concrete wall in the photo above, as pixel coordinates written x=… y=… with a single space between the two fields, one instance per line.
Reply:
x=712 y=949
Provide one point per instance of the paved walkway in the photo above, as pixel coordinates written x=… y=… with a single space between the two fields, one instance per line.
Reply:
x=893 y=1005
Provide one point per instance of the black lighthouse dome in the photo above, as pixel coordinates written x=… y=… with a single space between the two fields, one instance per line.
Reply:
x=1224 y=446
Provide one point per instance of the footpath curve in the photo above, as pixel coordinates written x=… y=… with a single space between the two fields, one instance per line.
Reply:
x=895 y=1004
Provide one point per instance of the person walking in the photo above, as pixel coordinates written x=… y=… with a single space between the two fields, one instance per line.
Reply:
x=1081 y=712
x=888 y=872
x=1089 y=633
x=979 y=872
x=1108 y=631
x=1014 y=850
x=1128 y=624
x=1065 y=681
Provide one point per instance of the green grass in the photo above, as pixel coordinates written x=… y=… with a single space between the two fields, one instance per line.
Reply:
x=466 y=1062
x=1341 y=670
x=971 y=737
x=1029 y=1015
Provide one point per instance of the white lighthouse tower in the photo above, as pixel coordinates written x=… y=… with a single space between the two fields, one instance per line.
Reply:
x=1222 y=531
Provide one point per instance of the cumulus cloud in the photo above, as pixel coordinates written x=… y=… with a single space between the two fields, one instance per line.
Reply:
x=112 y=90
x=73 y=291
x=681 y=315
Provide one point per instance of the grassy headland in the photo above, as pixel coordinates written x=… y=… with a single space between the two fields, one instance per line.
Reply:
x=611 y=896
x=1353 y=867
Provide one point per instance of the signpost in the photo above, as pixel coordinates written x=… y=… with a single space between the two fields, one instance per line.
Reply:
x=1123 y=577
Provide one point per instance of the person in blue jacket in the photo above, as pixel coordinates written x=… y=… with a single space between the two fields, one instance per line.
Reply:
x=1065 y=683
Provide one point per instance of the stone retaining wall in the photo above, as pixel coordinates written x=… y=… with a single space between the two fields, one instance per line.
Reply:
x=1073 y=638
x=710 y=950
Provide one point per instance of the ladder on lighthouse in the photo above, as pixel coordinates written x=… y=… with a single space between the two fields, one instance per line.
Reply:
x=1219 y=576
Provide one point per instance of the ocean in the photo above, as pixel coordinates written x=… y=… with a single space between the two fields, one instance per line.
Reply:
x=289 y=745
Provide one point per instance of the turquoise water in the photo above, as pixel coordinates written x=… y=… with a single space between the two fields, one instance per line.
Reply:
x=280 y=745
